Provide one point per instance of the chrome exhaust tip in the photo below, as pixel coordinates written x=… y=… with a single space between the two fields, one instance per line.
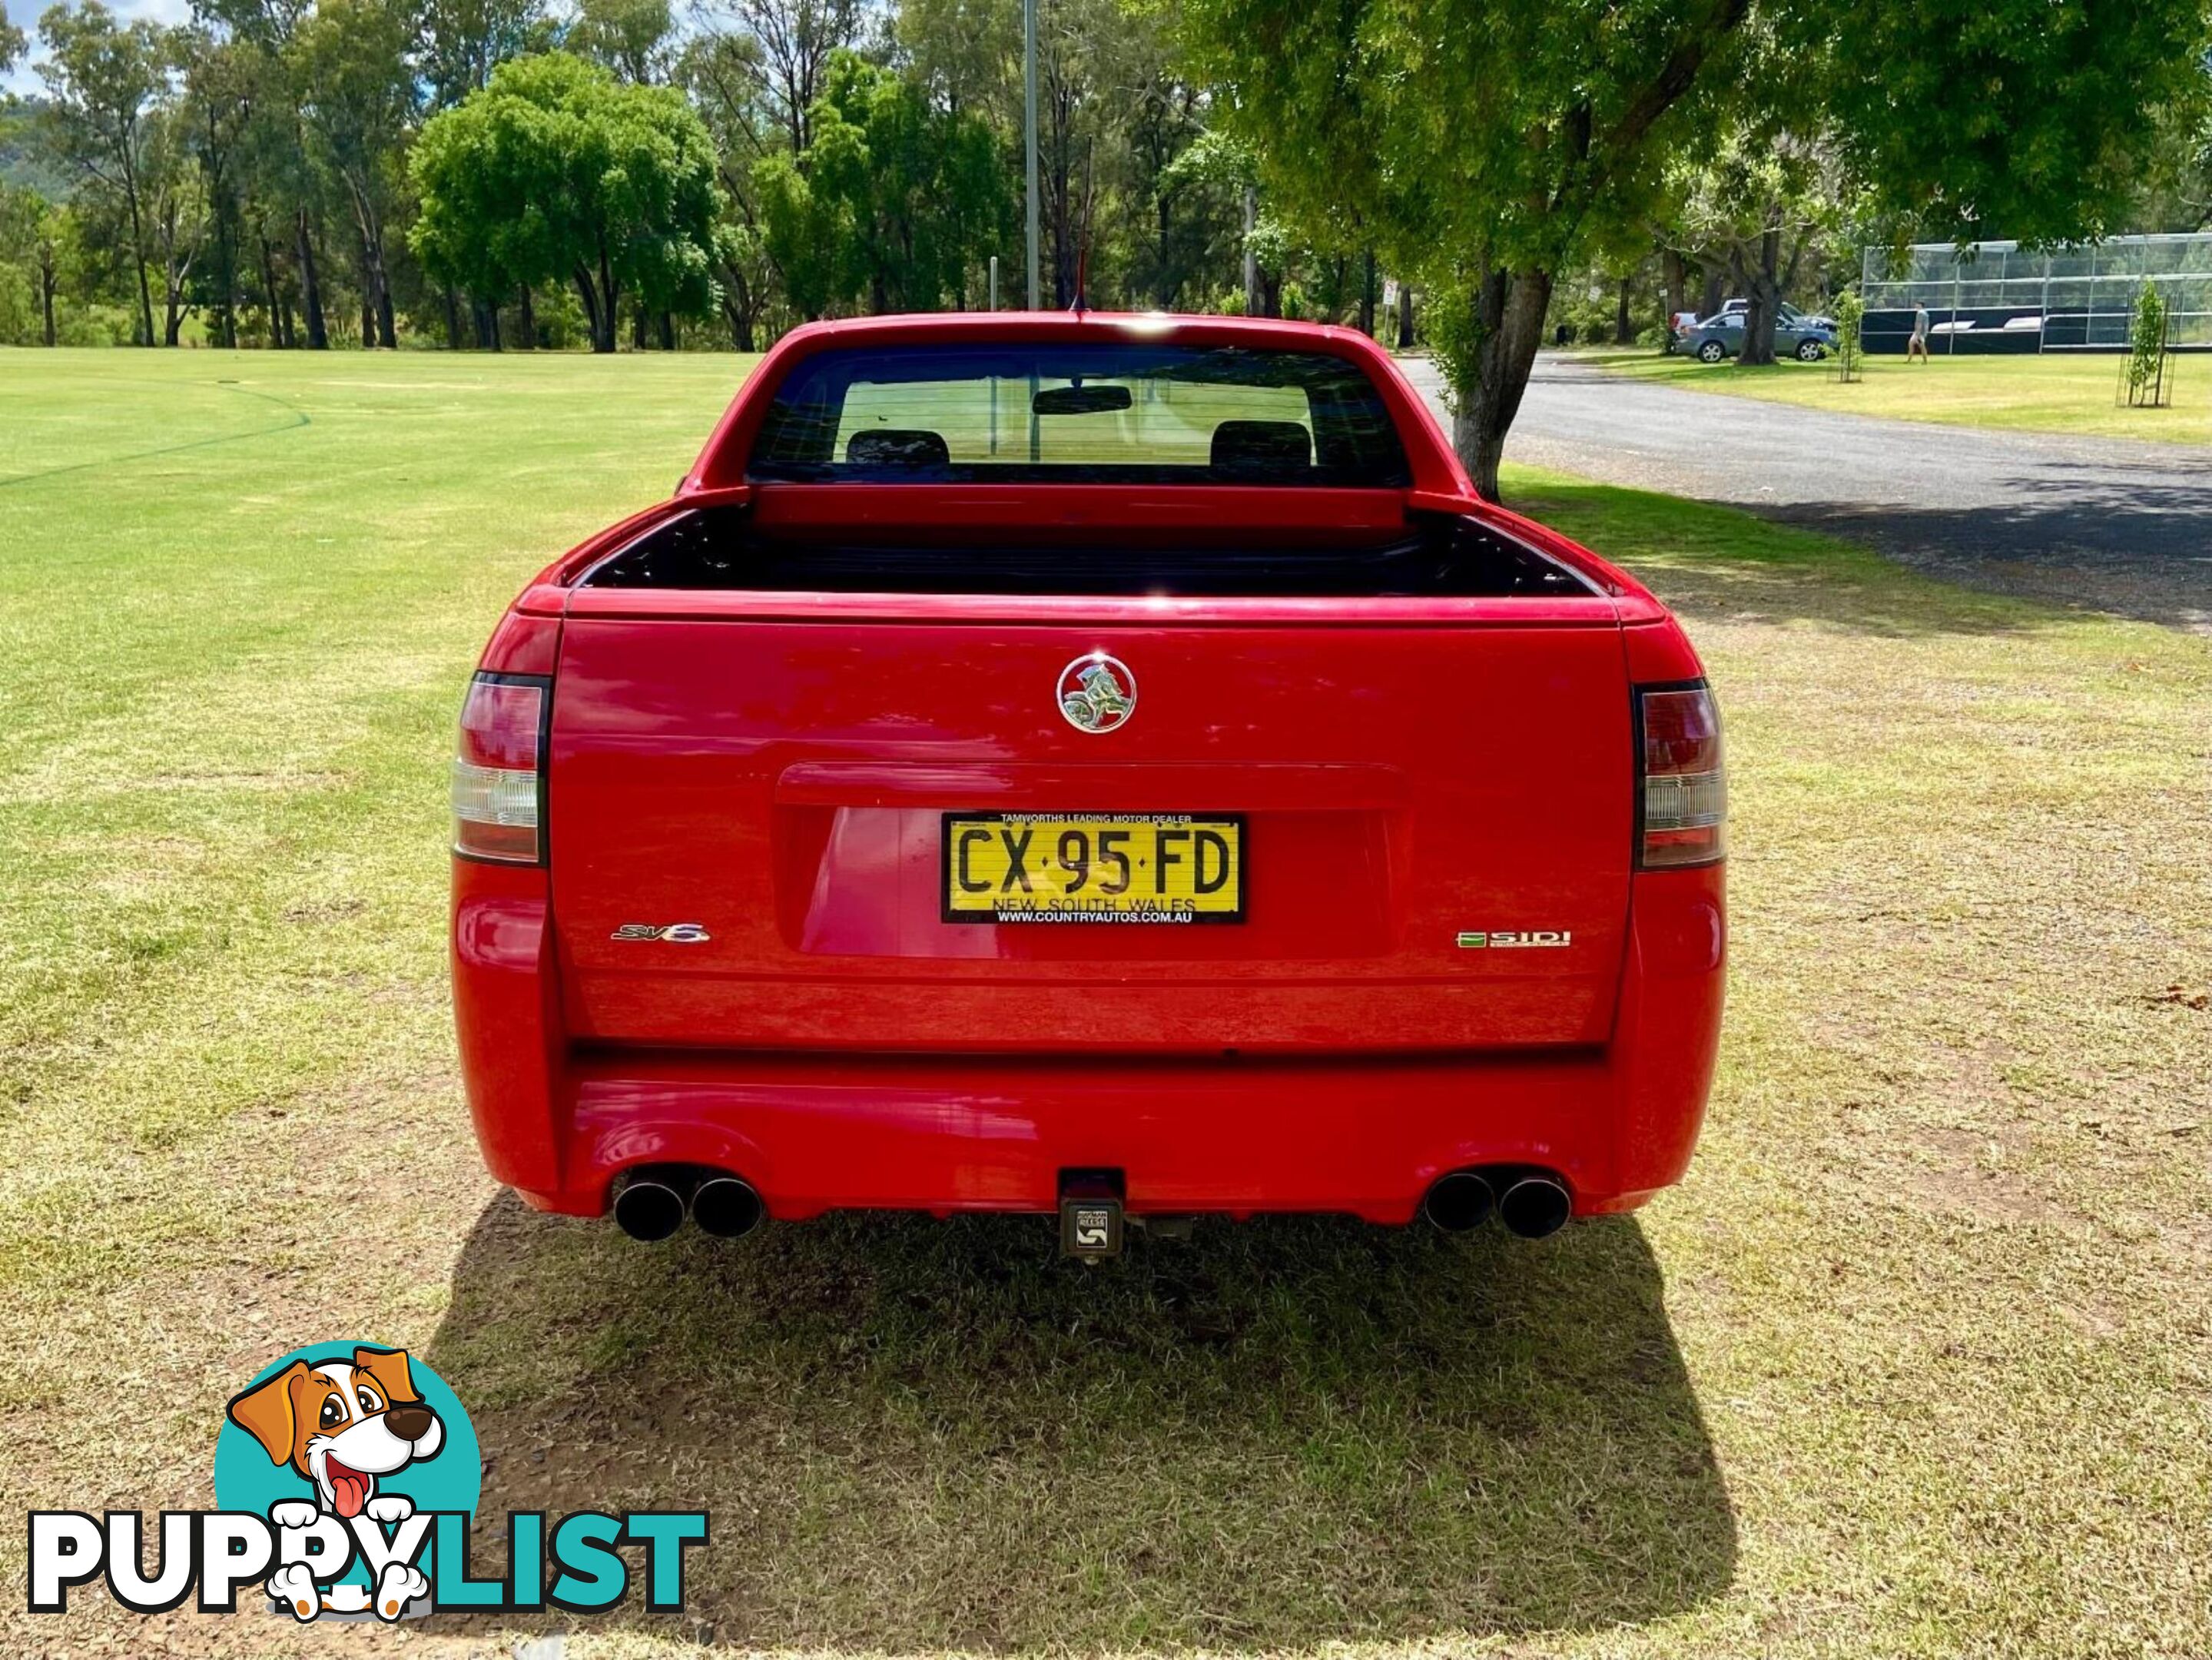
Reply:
x=1459 y=1200
x=647 y=1208
x=726 y=1207
x=1535 y=1206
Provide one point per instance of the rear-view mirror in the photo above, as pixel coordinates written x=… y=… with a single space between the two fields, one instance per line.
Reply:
x=1079 y=400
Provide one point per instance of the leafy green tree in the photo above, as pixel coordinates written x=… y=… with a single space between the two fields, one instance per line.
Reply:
x=462 y=41
x=357 y=88
x=2176 y=192
x=31 y=234
x=1490 y=144
x=810 y=230
x=221 y=88
x=722 y=74
x=106 y=81
x=177 y=217
x=629 y=37
x=895 y=202
x=11 y=42
x=1754 y=203
x=285 y=184
x=1178 y=224
x=1118 y=113
x=792 y=43
x=966 y=55
x=556 y=172
x=1080 y=73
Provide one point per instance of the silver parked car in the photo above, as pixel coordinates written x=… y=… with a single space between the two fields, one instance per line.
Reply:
x=1807 y=339
x=1789 y=313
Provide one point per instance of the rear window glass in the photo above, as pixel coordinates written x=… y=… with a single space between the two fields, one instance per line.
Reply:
x=1080 y=414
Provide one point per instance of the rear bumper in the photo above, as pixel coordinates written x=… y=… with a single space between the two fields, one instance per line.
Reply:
x=1364 y=1134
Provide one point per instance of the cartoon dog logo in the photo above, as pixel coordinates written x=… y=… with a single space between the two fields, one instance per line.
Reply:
x=341 y=1425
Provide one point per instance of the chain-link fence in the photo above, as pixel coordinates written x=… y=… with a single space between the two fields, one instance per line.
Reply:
x=1996 y=296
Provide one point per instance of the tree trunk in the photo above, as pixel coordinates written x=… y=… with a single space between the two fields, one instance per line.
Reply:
x=1623 y=328
x=227 y=252
x=527 y=322
x=1405 y=316
x=1164 y=287
x=583 y=280
x=138 y=259
x=1509 y=310
x=268 y=284
x=1367 y=294
x=609 y=293
x=667 y=332
x=1678 y=283
x=637 y=327
x=1764 y=294
x=738 y=311
x=453 y=319
x=173 y=273
x=377 y=325
x=311 y=291
x=1709 y=303
x=279 y=308
x=46 y=298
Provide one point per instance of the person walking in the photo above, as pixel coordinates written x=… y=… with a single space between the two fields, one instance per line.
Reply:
x=1918 y=345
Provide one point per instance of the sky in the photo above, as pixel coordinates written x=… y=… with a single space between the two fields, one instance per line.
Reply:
x=24 y=14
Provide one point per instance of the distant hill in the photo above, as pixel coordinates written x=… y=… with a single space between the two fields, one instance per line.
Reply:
x=21 y=162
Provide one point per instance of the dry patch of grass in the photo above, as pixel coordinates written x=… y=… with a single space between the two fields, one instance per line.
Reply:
x=1916 y=1362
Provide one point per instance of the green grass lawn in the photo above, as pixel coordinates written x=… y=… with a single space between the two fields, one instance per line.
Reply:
x=2058 y=392
x=1916 y=1363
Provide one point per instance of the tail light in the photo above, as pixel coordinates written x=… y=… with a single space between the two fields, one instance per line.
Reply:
x=1682 y=789
x=499 y=770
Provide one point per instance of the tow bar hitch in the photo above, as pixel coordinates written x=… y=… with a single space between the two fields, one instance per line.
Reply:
x=1090 y=1213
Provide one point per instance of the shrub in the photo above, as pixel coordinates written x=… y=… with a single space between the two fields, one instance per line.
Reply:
x=1850 y=316
x=2147 y=348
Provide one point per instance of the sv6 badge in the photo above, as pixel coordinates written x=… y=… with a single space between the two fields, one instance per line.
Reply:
x=675 y=933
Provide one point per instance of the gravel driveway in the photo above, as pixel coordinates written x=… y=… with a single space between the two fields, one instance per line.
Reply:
x=2102 y=523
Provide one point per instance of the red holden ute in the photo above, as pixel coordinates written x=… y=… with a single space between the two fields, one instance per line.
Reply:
x=1101 y=765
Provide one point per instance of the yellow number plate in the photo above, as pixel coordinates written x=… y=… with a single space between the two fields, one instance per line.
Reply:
x=1094 y=867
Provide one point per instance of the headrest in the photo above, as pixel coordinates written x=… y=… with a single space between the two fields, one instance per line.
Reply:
x=1262 y=449
x=904 y=447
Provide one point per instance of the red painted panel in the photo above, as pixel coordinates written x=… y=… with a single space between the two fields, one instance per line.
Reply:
x=782 y=784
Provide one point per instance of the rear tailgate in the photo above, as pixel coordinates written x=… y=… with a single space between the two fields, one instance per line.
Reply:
x=778 y=775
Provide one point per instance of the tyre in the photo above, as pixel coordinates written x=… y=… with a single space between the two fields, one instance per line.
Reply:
x=1711 y=352
x=1810 y=351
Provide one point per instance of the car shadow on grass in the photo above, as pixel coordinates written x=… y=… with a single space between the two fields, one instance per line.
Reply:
x=1902 y=572
x=2139 y=553
x=915 y=1434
